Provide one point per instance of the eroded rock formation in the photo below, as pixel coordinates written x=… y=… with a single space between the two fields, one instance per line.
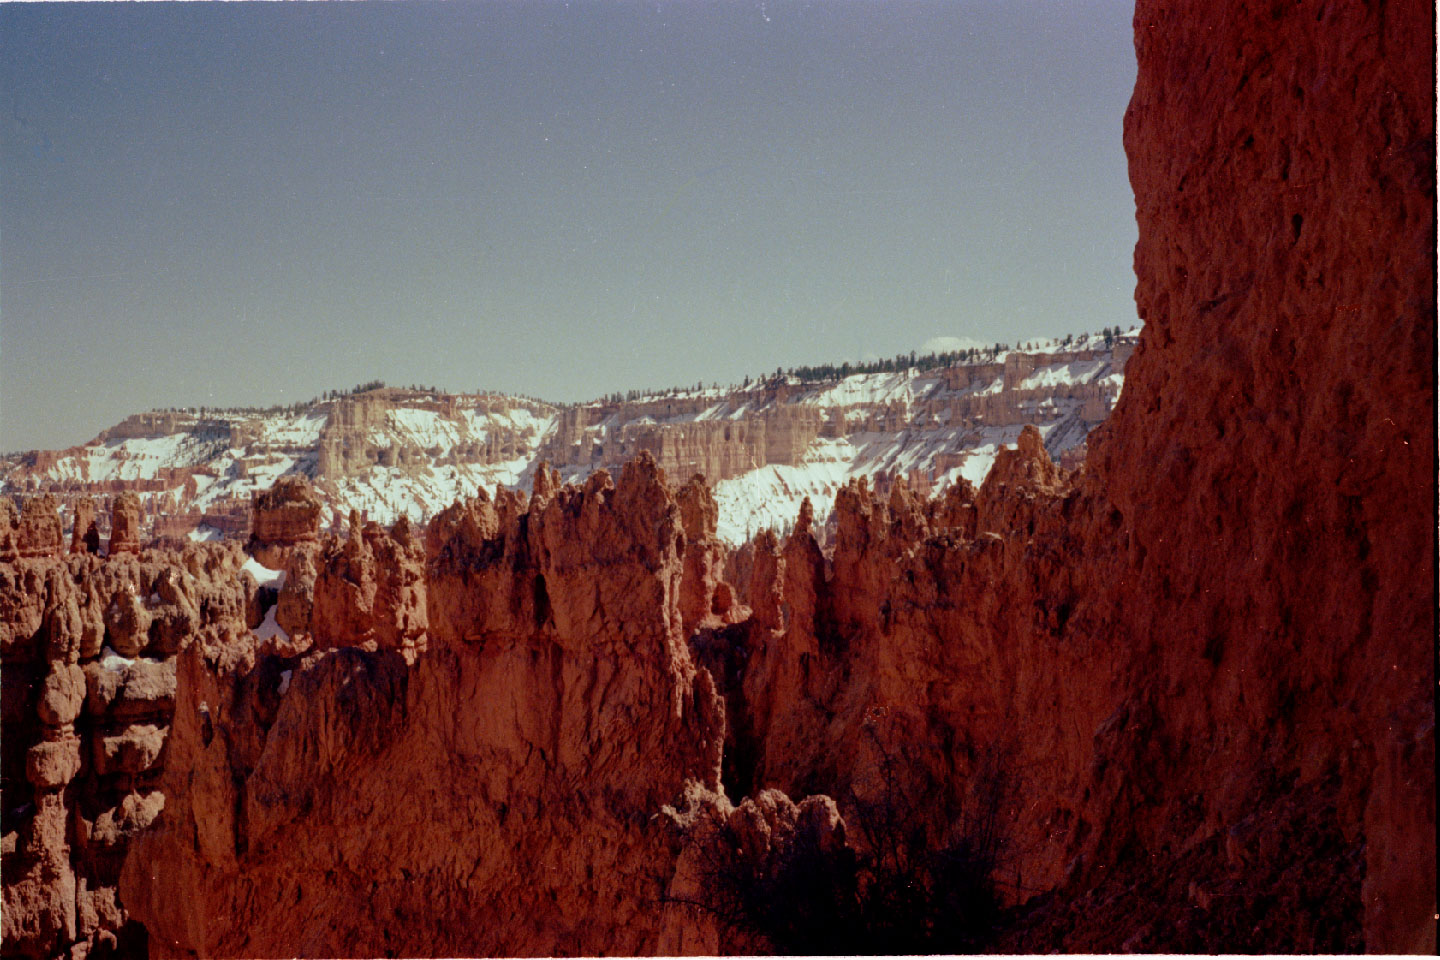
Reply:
x=555 y=713
x=85 y=535
x=88 y=647
x=1198 y=667
x=286 y=514
x=125 y=519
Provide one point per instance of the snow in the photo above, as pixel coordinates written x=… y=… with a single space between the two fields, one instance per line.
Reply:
x=136 y=458
x=112 y=661
x=296 y=430
x=1067 y=374
x=264 y=575
x=269 y=629
x=771 y=496
x=867 y=388
x=939 y=434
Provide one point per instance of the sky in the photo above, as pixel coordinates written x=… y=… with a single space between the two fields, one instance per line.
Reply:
x=249 y=204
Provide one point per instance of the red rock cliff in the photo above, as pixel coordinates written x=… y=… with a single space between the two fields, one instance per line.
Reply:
x=1210 y=666
x=554 y=714
x=1200 y=668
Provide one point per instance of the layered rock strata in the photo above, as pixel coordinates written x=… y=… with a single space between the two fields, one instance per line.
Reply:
x=286 y=514
x=555 y=712
x=88 y=648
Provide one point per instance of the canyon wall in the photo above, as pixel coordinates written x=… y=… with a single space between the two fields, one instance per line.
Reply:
x=88 y=651
x=727 y=433
x=496 y=795
x=1272 y=462
x=1208 y=664
x=392 y=452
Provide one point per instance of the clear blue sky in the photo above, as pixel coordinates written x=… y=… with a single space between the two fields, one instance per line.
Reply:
x=253 y=203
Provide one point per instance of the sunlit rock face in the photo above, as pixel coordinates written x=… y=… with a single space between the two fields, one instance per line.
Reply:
x=513 y=771
x=89 y=650
x=1274 y=450
x=764 y=446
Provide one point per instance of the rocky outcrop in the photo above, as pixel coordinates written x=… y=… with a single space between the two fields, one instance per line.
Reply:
x=85 y=535
x=125 y=519
x=9 y=530
x=370 y=591
x=556 y=711
x=706 y=599
x=1194 y=661
x=88 y=649
x=1187 y=689
x=35 y=532
x=286 y=514
x=1271 y=465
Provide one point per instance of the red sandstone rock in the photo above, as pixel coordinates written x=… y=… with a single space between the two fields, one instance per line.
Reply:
x=63 y=694
x=556 y=711
x=9 y=530
x=85 y=536
x=706 y=600
x=62 y=858
x=125 y=518
x=1204 y=674
x=39 y=533
x=370 y=590
x=287 y=513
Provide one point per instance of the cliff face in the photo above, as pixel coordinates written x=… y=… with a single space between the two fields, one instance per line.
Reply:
x=1209 y=666
x=555 y=712
x=88 y=648
x=1284 y=407
x=391 y=452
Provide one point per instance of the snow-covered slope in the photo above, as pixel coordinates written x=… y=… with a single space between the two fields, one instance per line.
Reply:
x=764 y=446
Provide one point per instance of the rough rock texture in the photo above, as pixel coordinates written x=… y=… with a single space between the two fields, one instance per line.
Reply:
x=1275 y=461
x=1209 y=665
x=9 y=530
x=706 y=599
x=37 y=533
x=370 y=590
x=84 y=535
x=556 y=711
x=126 y=516
x=1193 y=681
x=89 y=687
x=287 y=513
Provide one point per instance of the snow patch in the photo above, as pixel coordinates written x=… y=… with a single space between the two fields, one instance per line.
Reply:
x=269 y=629
x=112 y=661
x=264 y=575
x=1066 y=374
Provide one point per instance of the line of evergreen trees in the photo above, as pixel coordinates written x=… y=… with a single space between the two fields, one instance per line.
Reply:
x=823 y=372
x=816 y=373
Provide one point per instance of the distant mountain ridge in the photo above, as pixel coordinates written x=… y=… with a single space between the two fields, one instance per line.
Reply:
x=764 y=445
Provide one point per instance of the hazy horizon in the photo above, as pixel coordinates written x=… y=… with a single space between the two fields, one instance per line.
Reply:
x=246 y=205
